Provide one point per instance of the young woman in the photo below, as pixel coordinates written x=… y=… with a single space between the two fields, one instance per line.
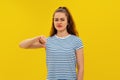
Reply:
x=64 y=49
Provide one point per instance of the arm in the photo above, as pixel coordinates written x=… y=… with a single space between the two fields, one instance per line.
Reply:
x=36 y=42
x=80 y=63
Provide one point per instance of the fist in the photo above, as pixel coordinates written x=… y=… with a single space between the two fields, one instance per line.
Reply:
x=42 y=39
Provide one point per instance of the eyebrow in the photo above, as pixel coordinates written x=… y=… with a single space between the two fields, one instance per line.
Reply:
x=58 y=18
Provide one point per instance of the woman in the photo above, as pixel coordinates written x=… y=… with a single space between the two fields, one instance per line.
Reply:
x=64 y=49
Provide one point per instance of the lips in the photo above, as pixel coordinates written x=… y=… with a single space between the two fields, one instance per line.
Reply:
x=59 y=26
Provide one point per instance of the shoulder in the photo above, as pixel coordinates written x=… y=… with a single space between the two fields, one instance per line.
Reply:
x=77 y=42
x=76 y=38
x=49 y=38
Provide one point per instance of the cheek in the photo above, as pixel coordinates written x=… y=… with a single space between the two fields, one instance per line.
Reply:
x=65 y=24
x=55 y=24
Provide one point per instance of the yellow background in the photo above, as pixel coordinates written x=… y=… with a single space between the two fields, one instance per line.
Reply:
x=98 y=24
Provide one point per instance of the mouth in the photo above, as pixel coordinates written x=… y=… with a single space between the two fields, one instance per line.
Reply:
x=59 y=26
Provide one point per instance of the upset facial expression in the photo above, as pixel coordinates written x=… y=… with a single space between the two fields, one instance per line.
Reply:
x=60 y=21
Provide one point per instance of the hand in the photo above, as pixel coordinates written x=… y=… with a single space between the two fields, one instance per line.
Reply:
x=42 y=39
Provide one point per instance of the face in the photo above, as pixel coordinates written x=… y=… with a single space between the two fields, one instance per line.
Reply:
x=60 y=21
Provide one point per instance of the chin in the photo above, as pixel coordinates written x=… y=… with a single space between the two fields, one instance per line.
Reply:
x=60 y=30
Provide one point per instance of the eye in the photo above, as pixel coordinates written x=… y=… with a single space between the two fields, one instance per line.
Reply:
x=62 y=19
x=56 y=19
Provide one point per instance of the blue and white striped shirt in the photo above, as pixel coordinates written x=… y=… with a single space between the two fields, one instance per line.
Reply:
x=61 y=58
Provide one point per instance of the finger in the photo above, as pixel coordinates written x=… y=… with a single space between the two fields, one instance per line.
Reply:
x=43 y=39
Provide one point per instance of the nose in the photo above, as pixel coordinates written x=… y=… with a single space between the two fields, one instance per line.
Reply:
x=59 y=22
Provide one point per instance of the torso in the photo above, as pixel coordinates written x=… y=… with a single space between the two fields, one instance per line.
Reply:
x=61 y=58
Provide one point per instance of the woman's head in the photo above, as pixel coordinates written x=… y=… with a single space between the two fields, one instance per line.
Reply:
x=62 y=20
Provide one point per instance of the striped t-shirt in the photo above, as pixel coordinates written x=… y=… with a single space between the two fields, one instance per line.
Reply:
x=61 y=58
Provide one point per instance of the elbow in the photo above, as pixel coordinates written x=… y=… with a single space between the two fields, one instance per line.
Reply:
x=22 y=46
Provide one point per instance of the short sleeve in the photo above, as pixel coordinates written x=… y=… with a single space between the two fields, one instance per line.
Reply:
x=78 y=43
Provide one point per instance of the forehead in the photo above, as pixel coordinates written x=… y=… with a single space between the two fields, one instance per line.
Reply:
x=60 y=15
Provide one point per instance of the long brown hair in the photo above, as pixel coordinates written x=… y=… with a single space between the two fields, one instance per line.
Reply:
x=71 y=25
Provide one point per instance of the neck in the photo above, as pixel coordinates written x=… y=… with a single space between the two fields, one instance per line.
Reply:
x=62 y=33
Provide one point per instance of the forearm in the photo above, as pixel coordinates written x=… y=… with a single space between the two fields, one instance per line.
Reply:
x=27 y=43
x=80 y=74
x=80 y=64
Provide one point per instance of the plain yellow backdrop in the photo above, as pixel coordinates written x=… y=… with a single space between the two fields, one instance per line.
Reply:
x=98 y=24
